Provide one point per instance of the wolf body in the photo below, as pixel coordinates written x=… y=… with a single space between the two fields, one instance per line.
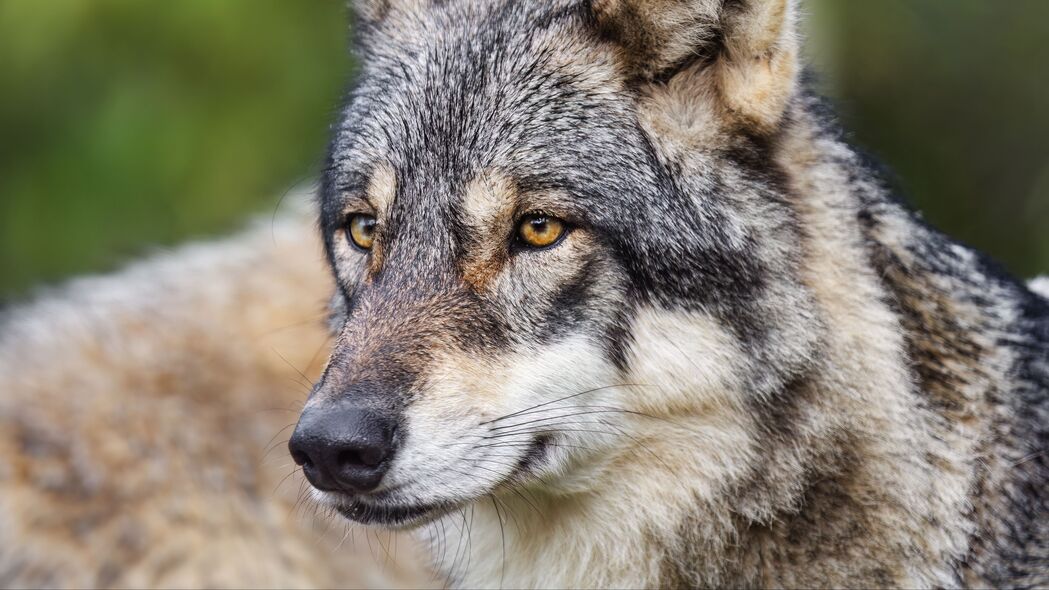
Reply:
x=744 y=363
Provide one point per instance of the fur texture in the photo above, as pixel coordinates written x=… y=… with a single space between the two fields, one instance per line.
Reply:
x=1040 y=285
x=745 y=364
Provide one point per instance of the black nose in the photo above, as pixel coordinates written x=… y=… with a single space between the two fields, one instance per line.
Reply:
x=342 y=448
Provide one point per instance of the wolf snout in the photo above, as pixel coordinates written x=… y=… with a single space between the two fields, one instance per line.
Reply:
x=343 y=448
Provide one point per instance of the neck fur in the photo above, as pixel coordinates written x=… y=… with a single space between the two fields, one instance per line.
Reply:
x=835 y=488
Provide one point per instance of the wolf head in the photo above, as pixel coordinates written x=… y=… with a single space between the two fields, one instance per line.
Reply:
x=558 y=231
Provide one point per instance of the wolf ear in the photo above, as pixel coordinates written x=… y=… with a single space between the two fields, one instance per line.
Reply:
x=750 y=47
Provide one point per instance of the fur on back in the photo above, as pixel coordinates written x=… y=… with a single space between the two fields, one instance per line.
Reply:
x=141 y=416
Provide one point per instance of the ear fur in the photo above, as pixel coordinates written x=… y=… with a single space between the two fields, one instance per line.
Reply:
x=750 y=45
x=369 y=10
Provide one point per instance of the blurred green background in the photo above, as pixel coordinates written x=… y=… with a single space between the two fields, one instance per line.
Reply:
x=126 y=124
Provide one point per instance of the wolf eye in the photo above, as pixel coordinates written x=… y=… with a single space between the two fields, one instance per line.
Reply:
x=361 y=230
x=540 y=231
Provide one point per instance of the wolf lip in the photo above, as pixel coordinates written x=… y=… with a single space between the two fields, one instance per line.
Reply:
x=391 y=516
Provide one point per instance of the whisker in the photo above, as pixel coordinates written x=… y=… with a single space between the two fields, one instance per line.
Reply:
x=283 y=479
x=347 y=534
x=298 y=497
x=276 y=434
x=276 y=208
x=531 y=408
x=442 y=544
x=296 y=369
x=385 y=548
x=528 y=502
x=497 y=456
x=588 y=412
x=275 y=446
x=317 y=353
x=529 y=445
x=469 y=540
x=474 y=476
x=263 y=410
x=645 y=447
x=310 y=321
x=371 y=550
x=507 y=508
x=458 y=560
x=554 y=427
x=502 y=534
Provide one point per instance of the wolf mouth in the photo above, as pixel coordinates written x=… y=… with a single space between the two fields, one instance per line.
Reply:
x=395 y=516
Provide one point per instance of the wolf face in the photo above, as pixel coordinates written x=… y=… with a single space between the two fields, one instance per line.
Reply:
x=552 y=239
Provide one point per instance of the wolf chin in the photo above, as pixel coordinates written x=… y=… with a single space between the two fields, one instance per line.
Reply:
x=618 y=306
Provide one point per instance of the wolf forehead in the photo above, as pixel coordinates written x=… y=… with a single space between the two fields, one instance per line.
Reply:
x=453 y=89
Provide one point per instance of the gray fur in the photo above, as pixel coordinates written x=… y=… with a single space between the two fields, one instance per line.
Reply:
x=747 y=364
x=892 y=384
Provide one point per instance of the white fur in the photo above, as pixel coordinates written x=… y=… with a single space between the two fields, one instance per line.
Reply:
x=1040 y=285
x=641 y=472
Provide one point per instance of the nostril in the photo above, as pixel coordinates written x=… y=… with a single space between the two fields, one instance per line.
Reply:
x=301 y=459
x=348 y=459
x=310 y=458
x=361 y=457
x=360 y=467
x=371 y=456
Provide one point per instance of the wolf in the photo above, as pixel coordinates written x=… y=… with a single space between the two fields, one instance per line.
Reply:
x=619 y=306
x=616 y=304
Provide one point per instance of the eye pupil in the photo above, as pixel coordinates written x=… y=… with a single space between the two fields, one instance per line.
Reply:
x=361 y=230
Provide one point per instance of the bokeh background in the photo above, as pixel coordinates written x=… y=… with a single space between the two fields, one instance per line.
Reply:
x=127 y=125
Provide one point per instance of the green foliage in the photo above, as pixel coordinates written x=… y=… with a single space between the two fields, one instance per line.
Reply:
x=953 y=95
x=129 y=123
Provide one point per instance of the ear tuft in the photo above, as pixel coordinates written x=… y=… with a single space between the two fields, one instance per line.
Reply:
x=759 y=65
x=751 y=47
x=658 y=35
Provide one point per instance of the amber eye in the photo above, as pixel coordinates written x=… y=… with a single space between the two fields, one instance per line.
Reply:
x=540 y=231
x=361 y=230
